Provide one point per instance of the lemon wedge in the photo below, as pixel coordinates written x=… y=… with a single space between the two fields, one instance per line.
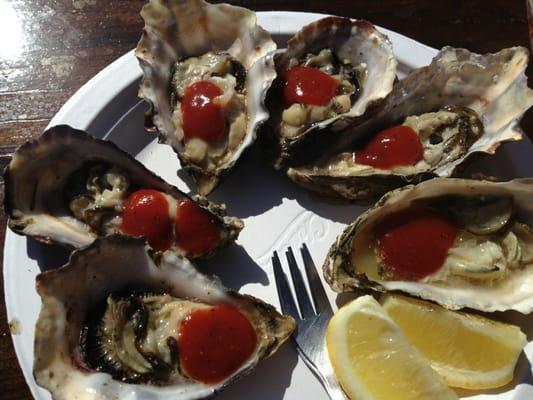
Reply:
x=372 y=359
x=468 y=351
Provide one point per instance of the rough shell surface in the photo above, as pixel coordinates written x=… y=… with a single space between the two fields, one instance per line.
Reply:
x=517 y=294
x=115 y=263
x=39 y=170
x=177 y=29
x=357 y=41
x=493 y=85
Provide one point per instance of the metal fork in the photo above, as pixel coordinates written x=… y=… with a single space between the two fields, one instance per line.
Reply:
x=311 y=325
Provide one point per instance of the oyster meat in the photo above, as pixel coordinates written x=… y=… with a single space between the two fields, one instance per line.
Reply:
x=332 y=71
x=462 y=103
x=479 y=248
x=68 y=187
x=118 y=329
x=205 y=76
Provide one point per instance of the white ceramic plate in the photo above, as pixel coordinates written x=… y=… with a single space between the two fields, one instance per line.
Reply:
x=276 y=214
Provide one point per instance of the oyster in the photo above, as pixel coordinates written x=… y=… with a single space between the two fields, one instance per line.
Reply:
x=462 y=103
x=111 y=319
x=205 y=76
x=68 y=187
x=348 y=67
x=481 y=254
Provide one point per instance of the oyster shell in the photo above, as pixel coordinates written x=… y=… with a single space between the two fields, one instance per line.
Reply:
x=189 y=41
x=67 y=187
x=489 y=266
x=353 y=51
x=491 y=89
x=118 y=264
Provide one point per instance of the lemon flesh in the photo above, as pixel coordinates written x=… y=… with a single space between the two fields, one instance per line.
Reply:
x=468 y=351
x=372 y=359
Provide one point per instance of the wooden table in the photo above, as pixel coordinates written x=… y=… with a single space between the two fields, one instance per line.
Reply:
x=49 y=48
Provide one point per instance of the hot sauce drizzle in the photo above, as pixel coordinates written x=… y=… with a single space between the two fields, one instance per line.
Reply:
x=195 y=230
x=396 y=146
x=414 y=243
x=201 y=117
x=308 y=85
x=145 y=213
x=214 y=343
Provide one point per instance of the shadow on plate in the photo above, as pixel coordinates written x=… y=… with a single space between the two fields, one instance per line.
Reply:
x=281 y=40
x=47 y=256
x=235 y=267
x=268 y=381
x=511 y=160
x=233 y=264
x=254 y=188
x=250 y=189
x=344 y=298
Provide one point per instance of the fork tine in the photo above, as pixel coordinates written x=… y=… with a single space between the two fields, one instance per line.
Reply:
x=304 y=301
x=288 y=306
x=317 y=290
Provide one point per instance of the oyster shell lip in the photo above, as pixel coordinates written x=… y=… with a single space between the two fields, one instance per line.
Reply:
x=373 y=48
x=251 y=45
x=24 y=203
x=341 y=277
x=356 y=189
x=108 y=265
x=493 y=85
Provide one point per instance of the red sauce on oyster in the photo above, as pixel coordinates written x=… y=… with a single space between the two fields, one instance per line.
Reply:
x=145 y=213
x=396 y=146
x=196 y=231
x=202 y=118
x=414 y=243
x=308 y=85
x=213 y=343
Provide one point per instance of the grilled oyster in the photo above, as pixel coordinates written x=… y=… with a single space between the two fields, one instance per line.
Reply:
x=205 y=76
x=332 y=71
x=462 y=103
x=113 y=321
x=477 y=252
x=69 y=188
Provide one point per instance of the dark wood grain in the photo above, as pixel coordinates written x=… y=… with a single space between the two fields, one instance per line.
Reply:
x=60 y=44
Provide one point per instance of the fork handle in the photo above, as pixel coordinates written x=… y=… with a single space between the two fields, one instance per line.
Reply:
x=327 y=378
x=332 y=387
